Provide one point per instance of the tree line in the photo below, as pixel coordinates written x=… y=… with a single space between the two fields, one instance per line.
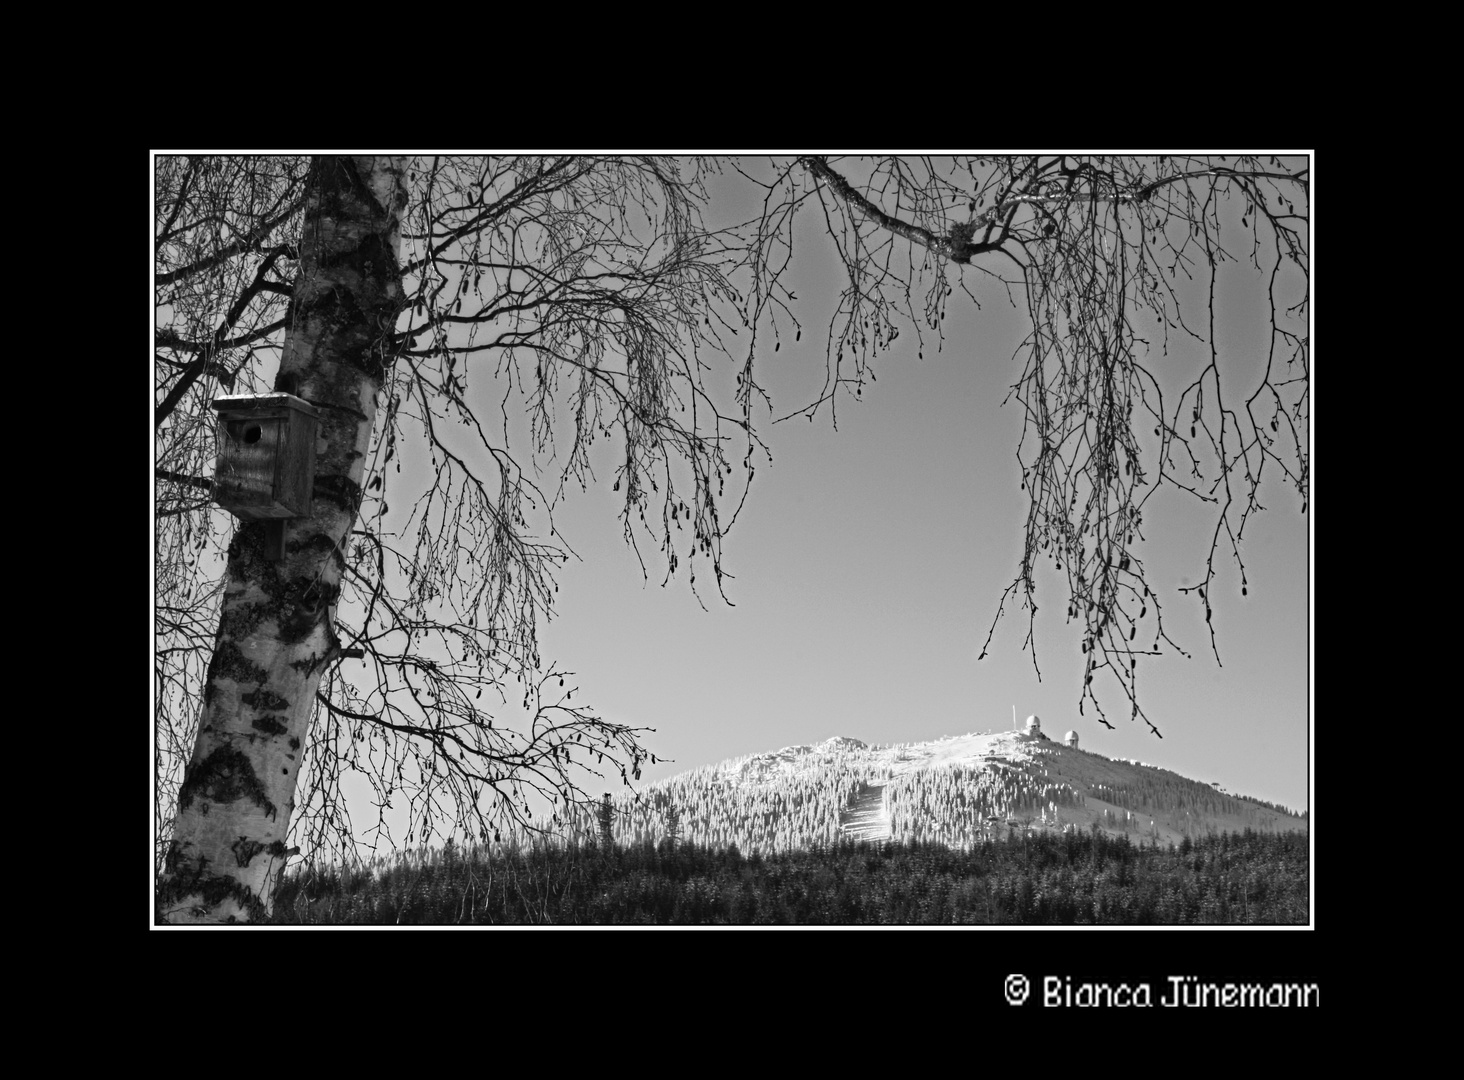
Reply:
x=1074 y=879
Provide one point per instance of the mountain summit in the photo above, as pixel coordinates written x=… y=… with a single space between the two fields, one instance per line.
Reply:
x=959 y=790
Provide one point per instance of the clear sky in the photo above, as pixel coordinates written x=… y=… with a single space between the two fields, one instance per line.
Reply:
x=869 y=562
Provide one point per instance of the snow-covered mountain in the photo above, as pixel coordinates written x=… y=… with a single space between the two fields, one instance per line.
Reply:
x=958 y=790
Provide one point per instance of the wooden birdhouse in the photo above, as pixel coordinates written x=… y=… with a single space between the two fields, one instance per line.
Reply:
x=266 y=462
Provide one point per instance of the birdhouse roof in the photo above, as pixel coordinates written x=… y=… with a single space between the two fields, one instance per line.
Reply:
x=268 y=403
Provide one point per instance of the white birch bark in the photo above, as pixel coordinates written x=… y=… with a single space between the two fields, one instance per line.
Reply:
x=276 y=636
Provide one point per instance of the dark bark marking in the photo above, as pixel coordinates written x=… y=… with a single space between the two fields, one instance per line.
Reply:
x=224 y=776
x=230 y=663
x=240 y=620
x=339 y=490
x=264 y=699
x=299 y=625
x=311 y=606
x=245 y=849
x=187 y=879
x=309 y=665
x=270 y=725
x=248 y=547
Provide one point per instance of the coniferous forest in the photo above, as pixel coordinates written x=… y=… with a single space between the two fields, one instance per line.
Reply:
x=1037 y=878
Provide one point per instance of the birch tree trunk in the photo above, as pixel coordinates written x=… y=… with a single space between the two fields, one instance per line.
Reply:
x=276 y=636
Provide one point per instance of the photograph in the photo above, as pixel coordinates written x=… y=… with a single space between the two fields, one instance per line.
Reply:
x=742 y=541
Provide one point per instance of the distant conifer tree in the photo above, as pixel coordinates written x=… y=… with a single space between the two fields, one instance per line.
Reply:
x=607 y=820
